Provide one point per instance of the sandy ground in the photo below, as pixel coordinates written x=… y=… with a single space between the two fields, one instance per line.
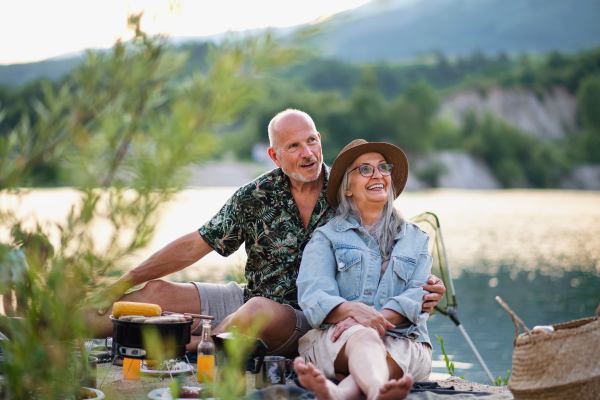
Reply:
x=462 y=385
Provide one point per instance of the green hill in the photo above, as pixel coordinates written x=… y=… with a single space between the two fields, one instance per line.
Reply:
x=395 y=30
x=15 y=75
x=458 y=27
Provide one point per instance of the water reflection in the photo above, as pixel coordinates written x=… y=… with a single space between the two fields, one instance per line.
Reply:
x=537 y=299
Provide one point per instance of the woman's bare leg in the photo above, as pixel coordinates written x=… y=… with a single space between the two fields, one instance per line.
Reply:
x=366 y=359
x=370 y=368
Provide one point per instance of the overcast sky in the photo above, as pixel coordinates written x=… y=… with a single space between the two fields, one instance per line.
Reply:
x=33 y=30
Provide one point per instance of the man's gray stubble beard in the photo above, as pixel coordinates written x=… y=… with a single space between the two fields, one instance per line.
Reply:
x=299 y=177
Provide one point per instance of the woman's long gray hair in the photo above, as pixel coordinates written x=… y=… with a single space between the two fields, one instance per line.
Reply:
x=387 y=226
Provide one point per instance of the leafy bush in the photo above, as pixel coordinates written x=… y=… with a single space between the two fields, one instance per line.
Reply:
x=123 y=132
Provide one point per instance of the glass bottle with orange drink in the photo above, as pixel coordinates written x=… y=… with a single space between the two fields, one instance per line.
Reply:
x=206 y=355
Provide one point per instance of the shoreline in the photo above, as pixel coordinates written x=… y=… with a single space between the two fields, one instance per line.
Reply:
x=528 y=229
x=462 y=385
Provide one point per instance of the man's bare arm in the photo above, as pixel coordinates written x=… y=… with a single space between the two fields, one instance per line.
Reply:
x=177 y=255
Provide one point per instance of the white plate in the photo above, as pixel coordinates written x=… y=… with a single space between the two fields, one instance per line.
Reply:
x=156 y=394
x=145 y=370
x=99 y=395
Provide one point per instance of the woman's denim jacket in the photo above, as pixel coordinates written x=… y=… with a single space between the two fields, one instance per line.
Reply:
x=343 y=263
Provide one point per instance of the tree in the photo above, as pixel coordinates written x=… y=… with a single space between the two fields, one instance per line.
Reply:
x=367 y=109
x=589 y=105
x=588 y=96
x=411 y=116
x=123 y=130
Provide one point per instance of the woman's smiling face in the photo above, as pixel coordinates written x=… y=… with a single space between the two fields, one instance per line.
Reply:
x=371 y=191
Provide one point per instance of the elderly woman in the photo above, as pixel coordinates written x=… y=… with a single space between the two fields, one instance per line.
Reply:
x=359 y=284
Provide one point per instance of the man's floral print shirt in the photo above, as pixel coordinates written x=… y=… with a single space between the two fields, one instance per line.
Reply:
x=264 y=216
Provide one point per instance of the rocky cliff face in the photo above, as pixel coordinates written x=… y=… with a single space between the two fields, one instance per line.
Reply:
x=450 y=169
x=584 y=177
x=548 y=116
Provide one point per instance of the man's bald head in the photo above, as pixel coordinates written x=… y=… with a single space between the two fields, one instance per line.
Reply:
x=288 y=120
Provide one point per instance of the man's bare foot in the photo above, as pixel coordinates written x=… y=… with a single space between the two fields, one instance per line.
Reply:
x=395 y=389
x=314 y=380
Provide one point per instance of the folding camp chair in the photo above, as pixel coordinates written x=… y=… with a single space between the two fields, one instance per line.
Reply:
x=448 y=306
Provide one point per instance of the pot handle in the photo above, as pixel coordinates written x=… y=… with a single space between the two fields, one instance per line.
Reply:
x=517 y=321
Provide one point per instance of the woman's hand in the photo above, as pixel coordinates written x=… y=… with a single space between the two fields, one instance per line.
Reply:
x=340 y=327
x=369 y=317
x=362 y=313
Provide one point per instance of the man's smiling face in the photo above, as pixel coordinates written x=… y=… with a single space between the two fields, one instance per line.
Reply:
x=298 y=148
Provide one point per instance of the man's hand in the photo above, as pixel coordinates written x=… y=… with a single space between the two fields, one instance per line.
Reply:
x=436 y=290
x=106 y=297
x=340 y=327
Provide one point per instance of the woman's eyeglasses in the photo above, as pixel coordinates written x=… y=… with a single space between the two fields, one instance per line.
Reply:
x=367 y=170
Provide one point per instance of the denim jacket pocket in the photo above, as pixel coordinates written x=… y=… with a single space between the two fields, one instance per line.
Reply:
x=404 y=267
x=348 y=271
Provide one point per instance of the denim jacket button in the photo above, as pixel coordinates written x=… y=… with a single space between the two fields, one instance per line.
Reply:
x=382 y=302
x=341 y=265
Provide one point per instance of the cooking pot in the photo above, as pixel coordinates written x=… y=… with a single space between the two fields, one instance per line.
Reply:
x=128 y=338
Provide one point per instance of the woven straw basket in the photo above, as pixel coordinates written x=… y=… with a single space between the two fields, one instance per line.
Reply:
x=564 y=364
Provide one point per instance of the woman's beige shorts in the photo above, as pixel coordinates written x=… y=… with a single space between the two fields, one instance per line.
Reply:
x=412 y=357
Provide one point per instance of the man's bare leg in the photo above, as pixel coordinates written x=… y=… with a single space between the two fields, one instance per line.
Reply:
x=9 y=310
x=279 y=321
x=323 y=389
x=170 y=296
x=184 y=297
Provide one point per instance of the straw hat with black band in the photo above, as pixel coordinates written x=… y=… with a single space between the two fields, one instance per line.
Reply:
x=392 y=154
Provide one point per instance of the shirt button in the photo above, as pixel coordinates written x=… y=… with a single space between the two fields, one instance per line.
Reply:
x=382 y=301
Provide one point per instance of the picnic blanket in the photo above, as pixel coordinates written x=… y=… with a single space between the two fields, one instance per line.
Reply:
x=419 y=391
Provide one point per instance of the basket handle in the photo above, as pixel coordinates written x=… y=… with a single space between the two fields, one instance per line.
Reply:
x=597 y=312
x=517 y=321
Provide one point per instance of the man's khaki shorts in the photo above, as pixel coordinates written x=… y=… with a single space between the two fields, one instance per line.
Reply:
x=220 y=301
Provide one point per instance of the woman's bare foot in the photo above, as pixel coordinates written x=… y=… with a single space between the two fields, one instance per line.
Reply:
x=395 y=389
x=314 y=380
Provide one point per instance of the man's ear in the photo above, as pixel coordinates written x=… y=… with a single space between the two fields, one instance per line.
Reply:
x=274 y=156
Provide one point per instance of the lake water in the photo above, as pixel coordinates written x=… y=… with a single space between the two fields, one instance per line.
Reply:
x=537 y=249
x=537 y=299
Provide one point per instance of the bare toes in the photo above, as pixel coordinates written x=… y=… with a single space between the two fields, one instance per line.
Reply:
x=395 y=389
x=406 y=381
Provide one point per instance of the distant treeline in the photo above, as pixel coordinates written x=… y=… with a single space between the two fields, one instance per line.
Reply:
x=440 y=72
x=399 y=103
x=380 y=102
x=531 y=72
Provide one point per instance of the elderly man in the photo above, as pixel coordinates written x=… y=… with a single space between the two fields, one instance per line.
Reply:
x=275 y=216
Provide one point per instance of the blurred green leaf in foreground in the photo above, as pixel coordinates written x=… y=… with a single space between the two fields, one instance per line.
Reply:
x=123 y=131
